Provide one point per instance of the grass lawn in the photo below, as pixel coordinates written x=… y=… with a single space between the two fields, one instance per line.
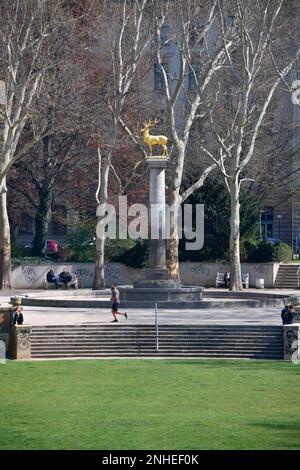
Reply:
x=154 y=404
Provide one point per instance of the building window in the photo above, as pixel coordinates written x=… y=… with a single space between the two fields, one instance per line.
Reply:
x=164 y=35
x=159 y=82
x=266 y=223
x=26 y=225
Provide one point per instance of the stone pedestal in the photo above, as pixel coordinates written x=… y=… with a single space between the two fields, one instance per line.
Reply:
x=20 y=342
x=157 y=202
x=291 y=339
x=157 y=275
x=157 y=270
x=296 y=316
x=155 y=286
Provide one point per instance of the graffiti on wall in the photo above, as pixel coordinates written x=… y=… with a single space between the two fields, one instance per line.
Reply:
x=199 y=269
x=29 y=274
x=259 y=269
x=112 y=273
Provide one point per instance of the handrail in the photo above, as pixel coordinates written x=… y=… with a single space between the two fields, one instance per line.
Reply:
x=298 y=276
x=156 y=328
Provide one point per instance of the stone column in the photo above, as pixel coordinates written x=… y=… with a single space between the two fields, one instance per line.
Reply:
x=291 y=340
x=157 y=200
x=20 y=342
x=157 y=274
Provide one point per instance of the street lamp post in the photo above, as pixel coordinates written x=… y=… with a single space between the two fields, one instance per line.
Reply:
x=279 y=217
x=260 y=227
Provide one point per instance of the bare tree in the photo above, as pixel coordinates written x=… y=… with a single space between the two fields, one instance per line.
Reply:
x=125 y=29
x=25 y=27
x=191 y=30
x=240 y=102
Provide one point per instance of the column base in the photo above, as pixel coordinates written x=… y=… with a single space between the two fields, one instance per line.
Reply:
x=156 y=277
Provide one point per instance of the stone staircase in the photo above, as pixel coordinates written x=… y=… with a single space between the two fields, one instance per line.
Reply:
x=287 y=277
x=207 y=341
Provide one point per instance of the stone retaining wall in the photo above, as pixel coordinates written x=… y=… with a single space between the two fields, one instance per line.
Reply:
x=199 y=274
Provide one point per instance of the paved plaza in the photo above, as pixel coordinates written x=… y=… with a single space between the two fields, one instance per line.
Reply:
x=221 y=316
x=66 y=316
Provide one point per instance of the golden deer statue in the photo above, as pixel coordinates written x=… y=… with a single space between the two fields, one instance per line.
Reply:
x=152 y=140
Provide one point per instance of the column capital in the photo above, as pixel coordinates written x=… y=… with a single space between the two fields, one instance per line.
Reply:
x=157 y=162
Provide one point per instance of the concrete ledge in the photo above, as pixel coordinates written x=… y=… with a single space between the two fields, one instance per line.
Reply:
x=76 y=303
x=20 y=342
x=291 y=341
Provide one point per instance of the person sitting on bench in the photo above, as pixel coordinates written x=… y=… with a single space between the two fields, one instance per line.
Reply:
x=65 y=277
x=52 y=278
x=227 y=279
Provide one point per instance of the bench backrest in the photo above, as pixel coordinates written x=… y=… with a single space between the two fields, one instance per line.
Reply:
x=220 y=276
x=74 y=277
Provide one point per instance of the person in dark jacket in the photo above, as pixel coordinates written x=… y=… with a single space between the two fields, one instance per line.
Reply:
x=65 y=277
x=18 y=318
x=287 y=315
x=227 y=279
x=52 y=278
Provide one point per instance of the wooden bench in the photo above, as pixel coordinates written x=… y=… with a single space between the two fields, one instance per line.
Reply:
x=73 y=283
x=220 y=280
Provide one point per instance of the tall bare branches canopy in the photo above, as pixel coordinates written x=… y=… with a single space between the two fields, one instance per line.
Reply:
x=240 y=97
x=81 y=76
x=26 y=30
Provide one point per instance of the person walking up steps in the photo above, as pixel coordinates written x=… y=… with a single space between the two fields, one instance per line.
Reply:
x=115 y=298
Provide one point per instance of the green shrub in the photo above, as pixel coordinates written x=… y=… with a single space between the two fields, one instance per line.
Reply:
x=18 y=251
x=115 y=249
x=214 y=195
x=265 y=251
x=283 y=252
x=29 y=260
x=136 y=256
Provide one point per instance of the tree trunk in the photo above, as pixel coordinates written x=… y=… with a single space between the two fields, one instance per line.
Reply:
x=172 y=255
x=5 y=245
x=99 y=275
x=235 y=263
x=42 y=219
x=174 y=199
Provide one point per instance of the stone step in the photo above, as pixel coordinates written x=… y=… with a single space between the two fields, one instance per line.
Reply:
x=287 y=277
x=174 y=340
x=220 y=355
x=153 y=332
x=161 y=349
x=164 y=348
x=171 y=337
x=162 y=336
x=153 y=343
x=133 y=328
